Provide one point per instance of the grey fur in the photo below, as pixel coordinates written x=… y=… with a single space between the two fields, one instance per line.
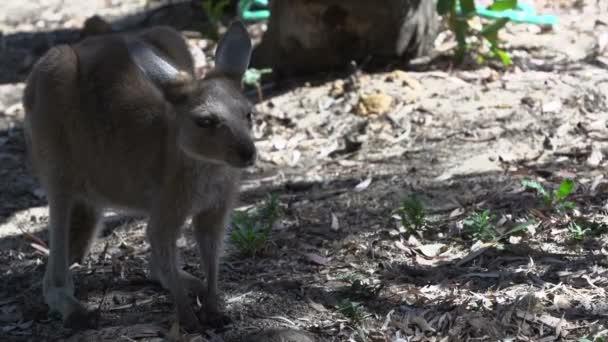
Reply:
x=105 y=131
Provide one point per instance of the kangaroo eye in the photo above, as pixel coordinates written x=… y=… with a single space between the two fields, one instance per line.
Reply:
x=249 y=116
x=206 y=122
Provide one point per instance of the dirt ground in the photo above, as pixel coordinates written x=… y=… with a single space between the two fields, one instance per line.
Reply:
x=339 y=265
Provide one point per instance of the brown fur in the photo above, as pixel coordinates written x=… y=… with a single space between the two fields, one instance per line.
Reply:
x=102 y=133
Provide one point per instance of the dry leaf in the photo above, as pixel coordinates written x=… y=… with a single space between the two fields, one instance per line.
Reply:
x=41 y=249
x=279 y=143
x=295 y=158
x=316 y=305
x=456 y=212
x=335 y=224
x=426 y=261
x=596 y=182
x=337 y=88
x=363 y=185
x=403 y=247
x=562 y=302
x=413 y=241
x=548 y=320
x=552 y=107
x=514 y=240
x=406 y=78
x=379 y=103
x=422 y=323
x=596 y=157
x=432 y=250
x=317 y=259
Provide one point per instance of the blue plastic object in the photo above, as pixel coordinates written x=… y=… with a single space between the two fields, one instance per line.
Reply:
x=253 y=10
x=524 y=13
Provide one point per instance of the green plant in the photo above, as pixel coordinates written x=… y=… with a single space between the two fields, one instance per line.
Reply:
x=412 y=214
x=458 y=13
x=271 y=211
x=481 y=226
x=578 y=231
x=596 y=339
x=352 y=310
x=359 y=288
x=253 y=78
x=557 y=198
x=251 y=229
x=247 y=235
x=349 y=277
x=214 y=9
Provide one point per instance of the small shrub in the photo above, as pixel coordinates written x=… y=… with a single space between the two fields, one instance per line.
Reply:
x=596 y=339
x=251 y=229
x=412 y=214
x=247 y=235
x=360 y=289
x=352 y=310
x=458 y=13
x=580 y=229
x=556 y=200
x=577 y=231
x=271 y=211
x=481 y=226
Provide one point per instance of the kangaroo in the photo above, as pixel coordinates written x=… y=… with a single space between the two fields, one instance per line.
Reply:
x=119 y=121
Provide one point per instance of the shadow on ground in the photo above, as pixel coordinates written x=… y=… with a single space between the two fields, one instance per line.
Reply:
x=20 y=50
x=114 y=278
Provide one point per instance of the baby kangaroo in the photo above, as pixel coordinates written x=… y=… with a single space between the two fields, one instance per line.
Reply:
x=118 y=121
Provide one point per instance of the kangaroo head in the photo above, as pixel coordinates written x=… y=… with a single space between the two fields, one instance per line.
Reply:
x=213 y=117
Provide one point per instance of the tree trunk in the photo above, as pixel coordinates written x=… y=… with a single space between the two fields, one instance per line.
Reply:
x=314 y=35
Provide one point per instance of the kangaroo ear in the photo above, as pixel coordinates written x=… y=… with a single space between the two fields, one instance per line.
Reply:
x=175 y=84
x=234 y=52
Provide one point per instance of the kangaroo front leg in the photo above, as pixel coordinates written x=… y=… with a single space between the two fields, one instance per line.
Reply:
x=163 y=230
x=58 y=287
x=209 y=228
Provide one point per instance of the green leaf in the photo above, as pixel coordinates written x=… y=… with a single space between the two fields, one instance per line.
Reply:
x=445 y=6
x=468 y=7
x=254 y=76
x=565 y=189
x=503 y=55
x=503 y=5
x=534 y=185
x=565 y=206
x=490 y=31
